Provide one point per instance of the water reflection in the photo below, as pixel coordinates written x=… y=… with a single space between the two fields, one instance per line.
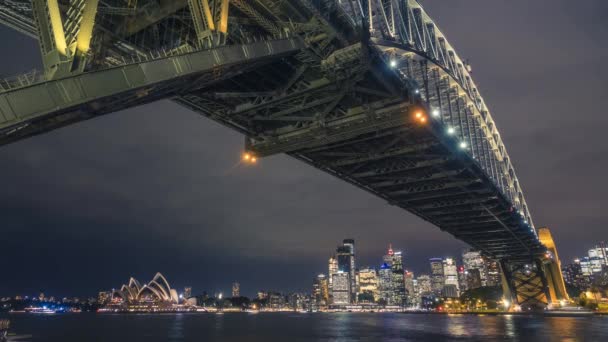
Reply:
x=322 y=327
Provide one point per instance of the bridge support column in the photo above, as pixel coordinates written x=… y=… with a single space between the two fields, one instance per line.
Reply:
x=552 y=269
x=524 y=285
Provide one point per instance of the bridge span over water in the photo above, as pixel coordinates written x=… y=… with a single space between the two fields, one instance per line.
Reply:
x=370 y=91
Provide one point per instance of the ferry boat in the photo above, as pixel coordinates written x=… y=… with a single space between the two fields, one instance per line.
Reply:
x=569 y=311
x=38 y=310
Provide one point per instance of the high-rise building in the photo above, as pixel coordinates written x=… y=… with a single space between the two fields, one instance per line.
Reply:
x=450 y=273
x=332 y=269
x=341 y=291
x=320 y=291
x=368 y=282
x=473 y=260
x=493 y=277
x=449 y=291
x=187 y=292
x=573 y=276
x=424 y=285
x=473 y=278
x=600 y=252
x=388 y=257
x=462 y=279
x=236 y=289
x=398 y=296
x=410 y=291
x=437 y=275
x=346 y=263
x=385 y=282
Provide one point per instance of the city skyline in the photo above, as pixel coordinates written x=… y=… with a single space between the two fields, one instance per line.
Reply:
x=116 y=168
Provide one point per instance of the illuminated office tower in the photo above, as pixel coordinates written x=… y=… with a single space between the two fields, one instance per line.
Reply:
x=398 y=296
x=462 y=279
x=341 y=291
x=333 y=269
x=573 y=274
x=388 y=257
x=493 y=277
x=368 y=282
x=450 y=273
x=424 y=285
x=236 y=289
x=437 y=276
x=345 y=255
x=600 y=252
x=473 y=278
x=473 y=260
x=409 y=287
x=350 y=244
x=320 y=292
x=385 y=282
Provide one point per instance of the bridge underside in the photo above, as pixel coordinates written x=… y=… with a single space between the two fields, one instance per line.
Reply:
x=370 y=92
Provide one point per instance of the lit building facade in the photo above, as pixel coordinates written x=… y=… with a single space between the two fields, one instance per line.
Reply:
x=450 y=273
x=368 y=282
x=236 y=289
x=424 y=285
x=341 y=290
x=473 y=260
x=410 y=291
x=473 y=278
x=155 y=295
x=398 y=296
x=346 y=263
x=332 y=269
x=493 y=277
x=462 y=279
x=320 y=291
x=437 y=275
x=187 y=292
x=385 y=282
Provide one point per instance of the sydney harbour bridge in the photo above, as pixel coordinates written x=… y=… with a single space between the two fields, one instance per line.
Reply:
x=369 y=91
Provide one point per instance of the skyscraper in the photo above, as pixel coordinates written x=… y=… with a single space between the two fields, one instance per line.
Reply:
x=333 y=269
x=462 y=279
x=437 y=276
x=450 y=273
x=341 y=291
x=388 y=257
x=424 y=285
x=473 y=278
x=493 y=277
x=236 y=289
x=473 y=260
x=398 y=295
x=320 y=290
x=409 y=287
x=350 y=244
x=368 y=282
x=345 y=255
x=385 y=282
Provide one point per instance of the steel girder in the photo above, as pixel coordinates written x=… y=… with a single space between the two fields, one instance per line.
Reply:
x=335 y=103
x=85 y=95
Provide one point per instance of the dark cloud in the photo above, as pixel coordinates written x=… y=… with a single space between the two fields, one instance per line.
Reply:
x=159 y=188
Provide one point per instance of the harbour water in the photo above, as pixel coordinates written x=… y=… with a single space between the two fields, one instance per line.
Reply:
x=294 y=327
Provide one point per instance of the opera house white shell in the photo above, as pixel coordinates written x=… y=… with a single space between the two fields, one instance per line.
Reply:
x=157 y=290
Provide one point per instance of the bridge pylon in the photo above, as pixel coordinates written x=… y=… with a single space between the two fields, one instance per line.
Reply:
x=537 y=283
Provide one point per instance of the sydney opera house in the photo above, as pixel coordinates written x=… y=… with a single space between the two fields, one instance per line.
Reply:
x=157 y=295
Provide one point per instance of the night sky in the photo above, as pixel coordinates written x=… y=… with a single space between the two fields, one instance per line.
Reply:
x=160 y=188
